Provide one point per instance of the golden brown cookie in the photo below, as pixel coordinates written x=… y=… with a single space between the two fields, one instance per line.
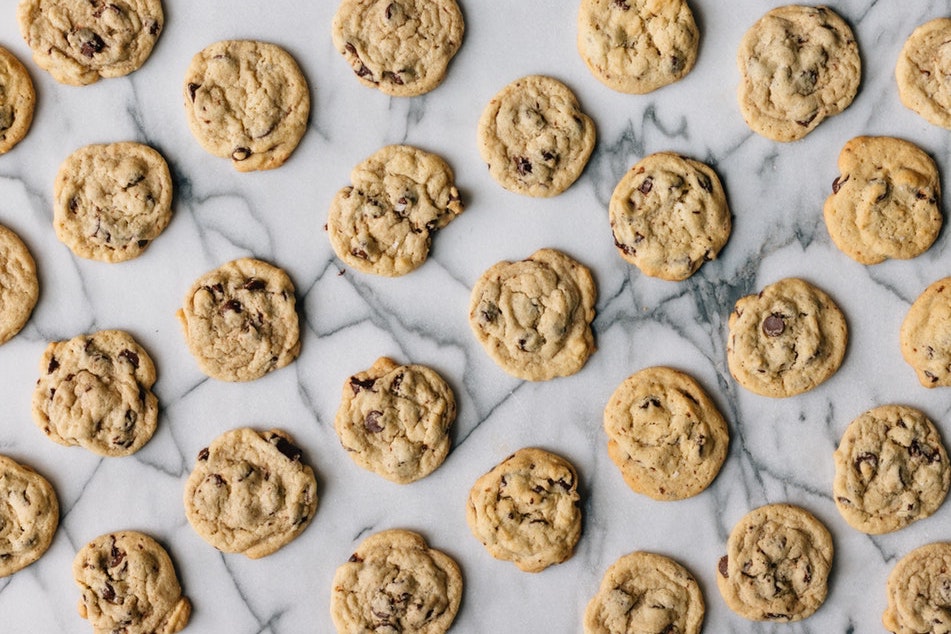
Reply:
x=29 y=515
x=922 y=72
x=19 y=285
x=926 y=335
x=917 y=589
x=17 y=100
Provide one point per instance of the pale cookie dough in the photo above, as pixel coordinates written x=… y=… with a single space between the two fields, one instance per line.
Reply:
x=798 y=65
x=777 y=564
x=17 y=100
x=400 y=47
x=110 y=201
x=527 y=509
x=785 y=340
x=926 y=335
x=669 y=215
x=891 y=469
x=394 y=420
x=923 y=71
x=917 y=589
x=394 y=582
x=247 y=101
x=250 y=492
x=534 y=137
x=81 y=41
x=398 y=197
x=644 y=592
x=19 y=285
x=129 y=585
x=533 y=317
x=240 y=320
x=94 y=391
x=665 y=434
x=29 y=515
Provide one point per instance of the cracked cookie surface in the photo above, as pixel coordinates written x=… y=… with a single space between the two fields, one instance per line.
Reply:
x=917 y=590
x=922 y=72
x=19 y=285
x=29 y=515
x=925 y=335
x=17 y=100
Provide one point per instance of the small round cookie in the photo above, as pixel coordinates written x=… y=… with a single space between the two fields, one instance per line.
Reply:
x=394 y=420
x=17 y=100
x=926 y=335
x=398 y=197
x=645 y=592
x=798 y=65
x=917 y=589
x=400 y=48
x=922 y=70
x=637 y=46
x=129 y=585
x=111 y=200
x=81 y=41
x=240 y=320
x=533 y=317
x=777 y=564
x=247 y=101
x=665 y=434
x=19 y=285
x=785 y=340
x=250 y=492
x=29 y=515
x=535 y=137
x=669 y=215
x=95 y=391
x=527 y=509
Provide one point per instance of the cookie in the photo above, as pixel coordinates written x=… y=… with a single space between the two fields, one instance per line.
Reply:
x=665 y=434
x=798 y=65
x=394 y=420
x=917 y=589
x=535 y=137
x=240 y=320
x=19 y=285
x=533 y=317
x=400 y=48
x=922 y=69
x=110 y=201
x=247 y=101
x=29 y=515
x=81 y=41
x=645 y=592
x=17 y=100
x=669 y=215
x=94 y=391
x=527 y=509
x=926 y=335
x=785 y=340
x=250 y=492
x=777 y=564
x=398 y=197
x=637 y=46
x=129 y=585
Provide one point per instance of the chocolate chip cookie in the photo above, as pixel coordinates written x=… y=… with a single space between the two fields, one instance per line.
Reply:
x=29 y=515
x=917 y=589
x=19 y=285
x=926 y=335
x=17 y=101
x=922 y=71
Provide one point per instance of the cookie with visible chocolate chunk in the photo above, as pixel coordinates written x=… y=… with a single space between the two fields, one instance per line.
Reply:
x=19 y=285
x=926 y=335
x=17 y=100
x=917 y=590
x=29 y=515
x=922 y=70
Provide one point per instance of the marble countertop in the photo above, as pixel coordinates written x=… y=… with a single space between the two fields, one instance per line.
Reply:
x=781 y=450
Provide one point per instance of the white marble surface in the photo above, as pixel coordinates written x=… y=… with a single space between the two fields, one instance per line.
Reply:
x=781 y=449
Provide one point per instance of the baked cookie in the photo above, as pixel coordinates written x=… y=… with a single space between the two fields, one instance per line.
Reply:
x=534 y=317
x=129 y=585
x=383 y=222
x=401 y=48
x=250 y=492
x=527 y=509
x=917 y=589
x=110 y=201
x=785 y=340
x=669 y=215
x=777 y=564
x=247 y=101
x=926 y=335
x=637 y=46
x=29 y=515
x=19 y=285
x=535 y=137
x=80 y=41
x=17 y=100
x=665 y=434
x=922 y=71
x=798 y=65
x=240 y=320
x=644 y=592
x=394 y=420
x=95 y=391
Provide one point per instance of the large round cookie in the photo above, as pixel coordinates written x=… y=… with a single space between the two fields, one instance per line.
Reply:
x=240 y=320
x=95 y=391
x=534 y=317
x=922 y=71
x=926 y=335
x=19 y=286
x=798 y=65
x=80 y=41
x=534 y=137
x=917 y=590
x=785 y=340
x=29 y=515
x=247 y=101
x=398 y=197
x=401 y=48
x=17 y=100
x=637 y=46
x=250 y=493
x=669 y=215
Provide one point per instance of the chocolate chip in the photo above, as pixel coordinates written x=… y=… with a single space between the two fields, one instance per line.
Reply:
x=723 y=566
x=622 y=4
x=361 y=384
x=390 y=8
x=109 y=593
x=627 y=249
x=866 y=458
x=929 y=453
x=646 y=186
x=52 y=366
x=372 y=422
x=232 y=304
x=92 y=45
x=154 y=28
x=363 y=71
x=240 y=154
x=286 y=447
x=355 y=559
x=397 y=382
x=805 y=122
x=203 y=454
x=393 y=77
x=705 y=183
x=548 y=156
x=254 y=284
x=116 y=556
x=522 y=165
x=490 y=312
x=774 y=325
x=359 y=253
x=131 y=357
x=192 y=89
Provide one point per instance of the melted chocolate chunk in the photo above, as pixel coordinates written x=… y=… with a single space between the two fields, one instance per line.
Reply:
x=372 y=422
x=290 y=450
x=240 y=153
x=232 y=304
x=203 y=454
x=192 y=89
x=774 y=325
x=92 y=45
x=522 y=165
x=131 y=357
x=869 y=458
x=255 y=284
x=723 y=566
x=361 y=384
x=646 y=186
x=52 y=366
